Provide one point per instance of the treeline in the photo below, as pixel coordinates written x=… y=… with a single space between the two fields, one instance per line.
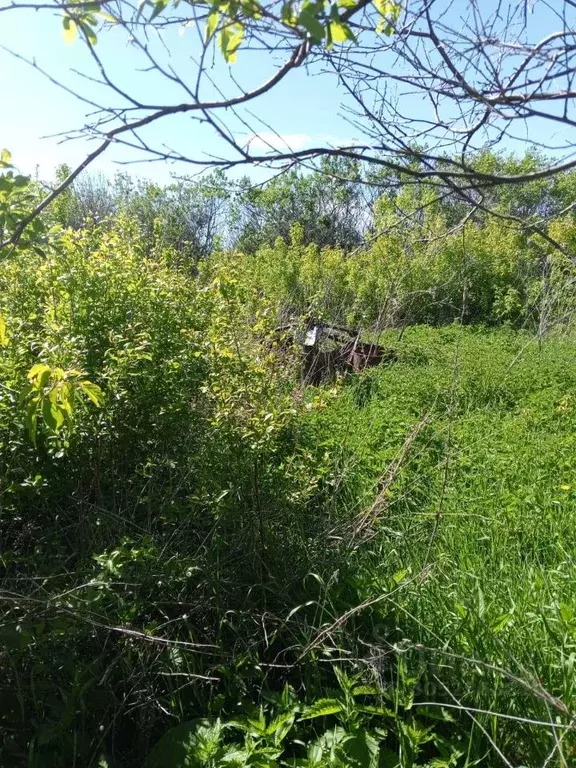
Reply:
x=369 y=249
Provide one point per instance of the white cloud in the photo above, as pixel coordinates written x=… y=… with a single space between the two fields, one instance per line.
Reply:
x=268 y=141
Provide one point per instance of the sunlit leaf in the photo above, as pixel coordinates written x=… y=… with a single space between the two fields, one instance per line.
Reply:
x=92 y=392
x=340 y=32
x=89 y=32
x=3 y=336
x=37 y=371
x=230 y=42
x=321 y=708
x=69 y=29
x=5 y=159
x=211 y=24
x=52 y=415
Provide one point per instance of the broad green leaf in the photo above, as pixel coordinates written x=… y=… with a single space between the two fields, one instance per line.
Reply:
x=399 y=576
x=501 y=622
x=387 y=8
x=362 y=750
x=390 y=12
x=37 y=370
x=92 y=392
x=52 y=415
x=67 y=398
x=369 y=709
x=311 y=24
x=281 y=726
x=251 y=9
x=230 y=41
x=69 y=29
x=366 y=690
x=566 y=613
x=340 y=32
x=3 y=336
x=88 y=31
x=321 y=708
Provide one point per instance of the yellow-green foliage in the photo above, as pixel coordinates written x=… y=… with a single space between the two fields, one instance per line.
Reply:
x=488 y=272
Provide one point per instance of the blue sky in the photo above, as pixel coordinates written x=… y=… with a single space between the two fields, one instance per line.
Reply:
x=305 y=109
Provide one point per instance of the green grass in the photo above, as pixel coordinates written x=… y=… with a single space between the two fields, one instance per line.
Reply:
x=478 y=525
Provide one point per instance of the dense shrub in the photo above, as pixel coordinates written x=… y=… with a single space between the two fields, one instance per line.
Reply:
x=482 y=273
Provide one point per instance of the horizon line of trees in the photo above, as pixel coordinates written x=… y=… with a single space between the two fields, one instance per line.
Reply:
x=343 y=204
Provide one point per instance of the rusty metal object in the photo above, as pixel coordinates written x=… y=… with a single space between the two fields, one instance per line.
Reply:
x=350 y=355
x=367 y=355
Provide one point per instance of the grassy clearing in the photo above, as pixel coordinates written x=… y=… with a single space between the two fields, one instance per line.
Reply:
x=476 y=527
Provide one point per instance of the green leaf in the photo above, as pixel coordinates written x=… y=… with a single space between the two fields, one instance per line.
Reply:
x=3 y=336
x=70 y=29
x=159 y=6
x=386 y=8
x=251 y=9
x=366 y=690
x=88 y=31
x=369 y=709
x=340 y=32
x=315 y=29
x=5 y=159
x=362 y=750
x=566 y=613
x=211 y=24
x=108 y=17
x=38 y=371
x=192 y=744
x=280 y=727
x=52 y=415
x=390 y=12
x=321 y=708
x=31 y=420
x=92 y=392
x=287 y=14
x=230 y=41
x=501 y=622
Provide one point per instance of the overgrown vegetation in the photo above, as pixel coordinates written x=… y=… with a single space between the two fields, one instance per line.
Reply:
x=206 y=564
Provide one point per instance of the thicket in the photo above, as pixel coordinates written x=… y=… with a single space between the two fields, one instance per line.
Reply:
x=205 y=564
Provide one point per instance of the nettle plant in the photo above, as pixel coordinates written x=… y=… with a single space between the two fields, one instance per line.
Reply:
x=352 y=728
